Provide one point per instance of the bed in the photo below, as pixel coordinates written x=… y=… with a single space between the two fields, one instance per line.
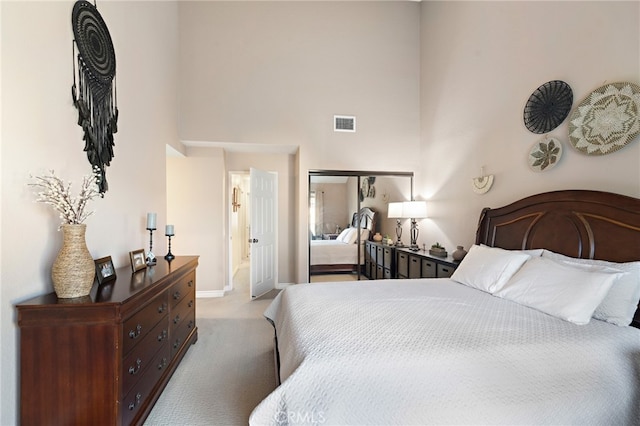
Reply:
x=438 y=351
x=343 y=254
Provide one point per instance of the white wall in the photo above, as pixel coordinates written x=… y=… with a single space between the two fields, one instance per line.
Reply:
x=195 y=194
x=476 y=78
x=277 y=72
x=39 y=132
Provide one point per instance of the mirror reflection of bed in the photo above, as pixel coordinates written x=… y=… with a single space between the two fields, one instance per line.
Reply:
x=340 y=203
x=340 y=255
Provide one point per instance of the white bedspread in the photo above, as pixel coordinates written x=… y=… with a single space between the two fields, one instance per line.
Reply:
x=332 y=252
x=437 y=352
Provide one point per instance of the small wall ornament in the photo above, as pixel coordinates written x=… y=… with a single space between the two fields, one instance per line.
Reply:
x=94 y=95
x=482 y=184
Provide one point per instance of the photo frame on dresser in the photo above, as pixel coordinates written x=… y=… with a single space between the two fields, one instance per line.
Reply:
x=137 y=260
x=104 y=269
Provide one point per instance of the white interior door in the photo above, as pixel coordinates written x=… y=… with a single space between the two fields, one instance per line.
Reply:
x=263 y=204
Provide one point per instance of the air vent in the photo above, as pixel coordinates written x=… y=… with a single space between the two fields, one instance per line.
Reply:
x=344 y=123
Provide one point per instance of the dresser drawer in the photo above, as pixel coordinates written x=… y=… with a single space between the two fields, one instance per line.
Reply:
x=380 y=256
x=414 y=267
x=372 y=250
x=182 y=288
x=182 y=332
x=139 y=359
x=182 y=311
x=387 y=255
x=428 y=269
x=142 y=390
x=135 y=328
x=445 y=271
x=403 y=265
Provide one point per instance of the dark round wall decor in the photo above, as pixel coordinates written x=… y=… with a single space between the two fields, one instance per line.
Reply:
x=548 y=106
x=95 y=94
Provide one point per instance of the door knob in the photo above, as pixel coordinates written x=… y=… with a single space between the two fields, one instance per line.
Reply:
x=255 y=240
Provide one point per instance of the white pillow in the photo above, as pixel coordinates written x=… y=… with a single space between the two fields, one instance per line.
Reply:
x=488 y=268
x=364 y=235
x=344 y=234
x=568 y=293
x=353 y=236
x=530 y=252
x=621 y=302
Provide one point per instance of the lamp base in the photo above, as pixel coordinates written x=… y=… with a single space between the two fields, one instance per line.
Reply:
x=414 y=247
x=169 y=256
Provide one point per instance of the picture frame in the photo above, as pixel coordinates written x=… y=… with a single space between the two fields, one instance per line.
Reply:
x=138 y=261
x=105 y=271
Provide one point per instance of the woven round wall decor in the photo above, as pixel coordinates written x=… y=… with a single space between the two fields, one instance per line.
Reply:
x=606 y=120
x=94 y=93
x=94 y=42
x=548 y=106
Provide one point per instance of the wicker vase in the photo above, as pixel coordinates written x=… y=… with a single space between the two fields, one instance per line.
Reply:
x=73 y=270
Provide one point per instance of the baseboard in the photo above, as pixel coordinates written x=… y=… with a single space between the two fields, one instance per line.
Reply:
x=209 y=293
x=281 y=286
x=220 y=293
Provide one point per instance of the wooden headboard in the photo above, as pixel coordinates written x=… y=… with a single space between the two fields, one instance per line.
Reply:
x=576 y=223
x=365 y=218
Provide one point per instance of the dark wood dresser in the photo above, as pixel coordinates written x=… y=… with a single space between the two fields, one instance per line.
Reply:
x=105 y=359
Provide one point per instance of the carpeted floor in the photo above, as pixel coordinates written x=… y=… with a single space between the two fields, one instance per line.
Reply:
x=229 y=370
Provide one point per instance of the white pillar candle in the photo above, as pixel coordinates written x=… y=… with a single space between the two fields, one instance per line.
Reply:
x=151 y=221
x=168 y=230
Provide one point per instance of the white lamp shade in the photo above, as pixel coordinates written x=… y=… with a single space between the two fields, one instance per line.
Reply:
x=414 y=209
x=395 y=211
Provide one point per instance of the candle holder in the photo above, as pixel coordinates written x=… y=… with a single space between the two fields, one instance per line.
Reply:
x=169 y=256
x=151 y=258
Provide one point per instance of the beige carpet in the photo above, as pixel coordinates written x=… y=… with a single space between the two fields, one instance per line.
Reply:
x=229 y=370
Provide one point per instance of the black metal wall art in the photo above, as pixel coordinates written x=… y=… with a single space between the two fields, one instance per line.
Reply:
x=548 y=106
x=95 y=94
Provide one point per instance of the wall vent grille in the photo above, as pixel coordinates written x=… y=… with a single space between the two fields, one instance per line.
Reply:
x=344 y=123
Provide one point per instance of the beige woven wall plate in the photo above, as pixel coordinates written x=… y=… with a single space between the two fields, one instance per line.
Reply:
x=606 y=120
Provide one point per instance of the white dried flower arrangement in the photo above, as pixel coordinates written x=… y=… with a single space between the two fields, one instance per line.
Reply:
x=57 y=193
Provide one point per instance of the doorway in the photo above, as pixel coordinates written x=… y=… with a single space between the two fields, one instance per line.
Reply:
x=239 y=224
x=253 y=227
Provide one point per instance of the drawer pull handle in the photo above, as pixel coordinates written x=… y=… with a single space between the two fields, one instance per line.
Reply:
x=414 y=260
x=445 y=269
x=135 y=368
x=190 y=324
x=135 y=403
x=190 y=283
x=176 y=345
x=176 y=319
x=191 y=303
x=162 y=335
x=134 y=334
x=176 y=295
x=162 y=308
x=162 y=364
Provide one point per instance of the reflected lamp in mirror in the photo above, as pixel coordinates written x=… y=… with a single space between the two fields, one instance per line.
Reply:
x=395 y=212
x=414 y=210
